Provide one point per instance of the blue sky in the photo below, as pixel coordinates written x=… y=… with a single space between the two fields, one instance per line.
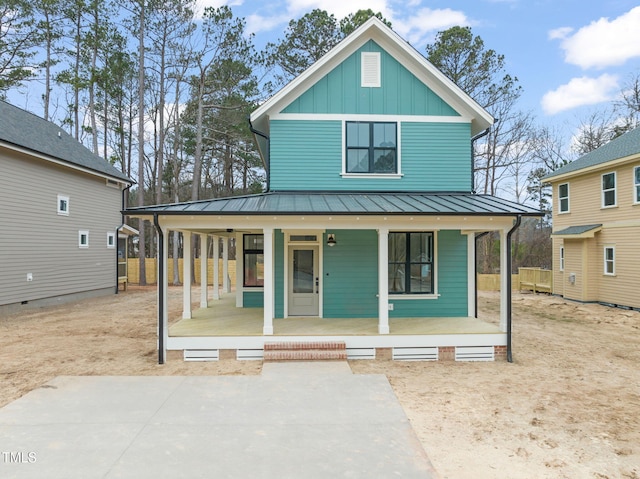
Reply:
x=572 y=57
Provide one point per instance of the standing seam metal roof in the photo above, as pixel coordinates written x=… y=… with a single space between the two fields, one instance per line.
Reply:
x=345 y=203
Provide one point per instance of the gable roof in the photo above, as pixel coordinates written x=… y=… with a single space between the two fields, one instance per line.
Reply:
x=374 y=29
x=19 y=128
x=622 y=147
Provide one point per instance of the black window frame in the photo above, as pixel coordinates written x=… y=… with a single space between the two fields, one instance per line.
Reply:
x=250 y=251
x=407 y=263
x=371 y=148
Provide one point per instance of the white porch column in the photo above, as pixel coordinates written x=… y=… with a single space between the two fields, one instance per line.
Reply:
x=383 y=281
x=471 y=274
x=239 y=270
x=186 y=275
x=204 y=297
x=216 y=267
x=226 y=285
x=503 y=279
x=268 y=282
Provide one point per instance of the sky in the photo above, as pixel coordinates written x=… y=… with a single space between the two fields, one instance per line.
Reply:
x=571 y=57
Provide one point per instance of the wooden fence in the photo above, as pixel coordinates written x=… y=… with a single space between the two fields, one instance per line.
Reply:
x=152 y=269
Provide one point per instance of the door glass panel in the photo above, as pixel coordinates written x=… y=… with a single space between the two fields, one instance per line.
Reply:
x=303 y=271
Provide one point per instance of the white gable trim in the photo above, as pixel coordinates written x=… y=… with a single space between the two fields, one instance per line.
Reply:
x=362 y=117
x=374 y=29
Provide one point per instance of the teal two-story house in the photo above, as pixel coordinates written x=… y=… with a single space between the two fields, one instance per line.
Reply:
x=366 y=233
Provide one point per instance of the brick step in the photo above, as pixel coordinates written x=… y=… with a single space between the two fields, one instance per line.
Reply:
x=302 y=345
x=304 y=355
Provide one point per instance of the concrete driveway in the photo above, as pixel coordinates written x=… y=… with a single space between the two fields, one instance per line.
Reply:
x=296 y=420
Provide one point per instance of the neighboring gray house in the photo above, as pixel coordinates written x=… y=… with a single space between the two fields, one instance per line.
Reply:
x=60 y=218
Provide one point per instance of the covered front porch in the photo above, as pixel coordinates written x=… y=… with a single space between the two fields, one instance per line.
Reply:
x=224 y=326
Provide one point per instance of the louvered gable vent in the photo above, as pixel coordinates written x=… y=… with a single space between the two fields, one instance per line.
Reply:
x=370 y=73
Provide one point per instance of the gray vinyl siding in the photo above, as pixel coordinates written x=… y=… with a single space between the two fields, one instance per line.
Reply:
x=35 y=239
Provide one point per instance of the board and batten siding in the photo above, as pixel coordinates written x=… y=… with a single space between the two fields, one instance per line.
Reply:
x=341 y=91
x=35 y=239
x=308 y=155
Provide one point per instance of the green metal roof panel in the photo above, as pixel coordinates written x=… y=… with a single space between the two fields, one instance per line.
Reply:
x=26 y=130
x=322 y=203
x=576 y=230
x=621 y=147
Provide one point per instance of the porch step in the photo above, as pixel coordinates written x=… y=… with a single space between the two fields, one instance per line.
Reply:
x=305 y=351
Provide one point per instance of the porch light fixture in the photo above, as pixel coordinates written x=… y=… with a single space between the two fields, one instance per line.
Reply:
x=331 y=239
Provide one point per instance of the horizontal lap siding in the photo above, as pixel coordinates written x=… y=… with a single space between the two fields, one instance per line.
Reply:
x=307 y=155
x=573 y=264
x=350 y=279
x=35 y=239
x=452 y=283
x=621 y=289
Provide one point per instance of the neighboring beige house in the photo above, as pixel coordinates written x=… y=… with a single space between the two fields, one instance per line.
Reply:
x=596 y=224
x=60 y=218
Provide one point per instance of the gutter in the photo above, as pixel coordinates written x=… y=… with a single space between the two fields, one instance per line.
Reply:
x=118 y=232
x=473 y=160
x=508 y=268
x=264 y=157
x=161 y=298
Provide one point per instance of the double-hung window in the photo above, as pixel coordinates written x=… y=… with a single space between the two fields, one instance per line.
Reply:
x=371 y=147
x=609 y=260
x=411 y=263
x=636 y=184
x=563 y=198
x=253 y=250
x=609 y=189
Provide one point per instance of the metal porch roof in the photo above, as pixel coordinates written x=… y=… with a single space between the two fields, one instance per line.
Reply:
x=344 y=203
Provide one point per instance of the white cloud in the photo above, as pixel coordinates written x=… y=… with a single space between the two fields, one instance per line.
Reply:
x=559 y=33
x=202 y=4
x=425 y=23
x=339 y=8
x=580 y=92
x=604 y=42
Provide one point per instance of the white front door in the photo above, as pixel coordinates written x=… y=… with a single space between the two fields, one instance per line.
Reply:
x=304 y=285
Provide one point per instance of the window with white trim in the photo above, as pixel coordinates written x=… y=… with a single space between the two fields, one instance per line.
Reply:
x=253 y=250
x=563 y=198
x=609 y=189
x=636 y=184
x=371 y=147
x=63 y=205
x=83 y=239
x=561 y=258
x=111 y=240
x=609 y=260
x=411 y=263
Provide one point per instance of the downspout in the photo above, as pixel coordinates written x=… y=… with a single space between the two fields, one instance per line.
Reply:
x=475 y=255
x=161 y=298
x=124 y=190
x=473 y=160
x=264 y=158
x=508 y=268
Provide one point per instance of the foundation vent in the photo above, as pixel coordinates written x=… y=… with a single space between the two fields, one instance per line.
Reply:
x=475 y=353
x=415 y=354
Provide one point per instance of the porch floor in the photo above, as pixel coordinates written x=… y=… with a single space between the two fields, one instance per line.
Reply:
x=223 y=318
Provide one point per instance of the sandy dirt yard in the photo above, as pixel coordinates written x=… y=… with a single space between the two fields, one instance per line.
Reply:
x=567 y=407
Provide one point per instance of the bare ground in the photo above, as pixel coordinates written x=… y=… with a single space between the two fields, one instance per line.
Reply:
x=567 y=407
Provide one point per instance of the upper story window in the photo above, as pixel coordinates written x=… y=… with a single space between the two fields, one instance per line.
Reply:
x=636 y=184
x=83 y=239
x=609 y=189
x=563 y=197
x=411 y=263
x=371 y=147
x=253 y=249
x=63 y=205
